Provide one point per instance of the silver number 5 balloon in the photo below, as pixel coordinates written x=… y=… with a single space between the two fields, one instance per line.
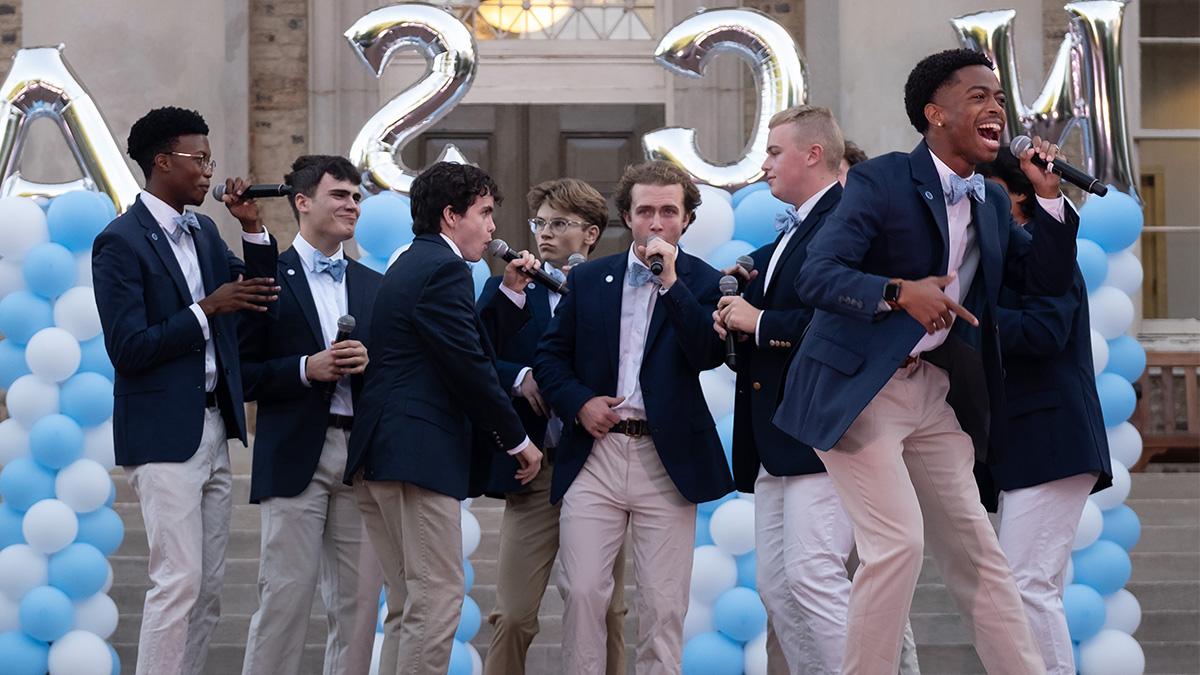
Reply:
x=779 y=74
x=448 y=48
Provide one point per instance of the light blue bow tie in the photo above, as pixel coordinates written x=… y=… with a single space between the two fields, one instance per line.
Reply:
x=786 y=221
x=961 y=187
x=638 y=275
x=323 y=263
x=188 y=222
x=555 y=273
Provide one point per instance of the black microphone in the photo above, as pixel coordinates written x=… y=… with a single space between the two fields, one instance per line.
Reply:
x=1067 y=172
x=345 y=326
x=255 y=191
x=729 y=286
x=500 y=249
x=656 y=263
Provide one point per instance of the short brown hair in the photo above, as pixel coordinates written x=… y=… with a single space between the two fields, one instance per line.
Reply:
x=854 y=154
x=571 y=195
x=818 y=125
x=657 y=173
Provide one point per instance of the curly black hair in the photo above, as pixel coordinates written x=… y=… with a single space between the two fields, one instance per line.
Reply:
x=931 y=74
x=447 y=184
x=156 y=131
x=308 y=170
x=1007 y=168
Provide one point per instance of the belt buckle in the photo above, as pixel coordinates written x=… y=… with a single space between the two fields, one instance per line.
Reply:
x=635 y=428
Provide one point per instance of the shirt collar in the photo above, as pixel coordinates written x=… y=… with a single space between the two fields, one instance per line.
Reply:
x=806 y=208
x=944 y=173
x=453 y=246
x=305 y=250
x=164 y=214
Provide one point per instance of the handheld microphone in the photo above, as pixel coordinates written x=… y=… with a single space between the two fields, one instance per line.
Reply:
x=576 y=259
x=500 y=249
x=656 y=263
x=345 y=326
x=255 y=191
x=729 y=286
x=746 y=262
x=1067 y=172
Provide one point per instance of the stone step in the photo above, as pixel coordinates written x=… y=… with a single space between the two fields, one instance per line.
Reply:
x=243 y=543
x=244 y=518
x=1165 y=486
x=1181 y=512
x=1170 y=658
x=232 y=629
x=125 y=494
x=132 y=570
x=1165 y=566
x=227 y=659
x=1169 y=539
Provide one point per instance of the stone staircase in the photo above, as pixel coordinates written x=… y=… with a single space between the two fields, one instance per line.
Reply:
x=1166 y=580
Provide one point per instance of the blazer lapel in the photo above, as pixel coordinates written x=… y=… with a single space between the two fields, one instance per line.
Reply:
x=611 y=295
x=659 y=317
x=539 y=303
x=929 y=187
x=990 y=257
x=292 y=272
x=206 y=256
x=804 y=229
x=158 y=241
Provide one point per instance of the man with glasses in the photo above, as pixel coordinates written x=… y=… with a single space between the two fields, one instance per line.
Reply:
x=570 y=218
x=169 y=291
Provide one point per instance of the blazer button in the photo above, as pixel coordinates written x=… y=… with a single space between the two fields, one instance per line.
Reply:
x=757 y=386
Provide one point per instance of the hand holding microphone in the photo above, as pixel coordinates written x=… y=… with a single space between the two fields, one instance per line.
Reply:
x=343 y=357
x=735 y=317
x=500 y=249
x=238 y=196
x=1043 y=154
x=660 y=258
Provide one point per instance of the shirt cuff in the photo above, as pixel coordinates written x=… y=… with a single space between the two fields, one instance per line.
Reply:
x=882 y=307
x=517 y=450
x=263 y=237
x=201 y=317
x=1055 y=207
x=516 y=385
x=757 y=326
x=303 y=368
x=517 y=299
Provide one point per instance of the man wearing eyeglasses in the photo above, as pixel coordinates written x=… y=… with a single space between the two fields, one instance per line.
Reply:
x=169 y=292
x=570 y=218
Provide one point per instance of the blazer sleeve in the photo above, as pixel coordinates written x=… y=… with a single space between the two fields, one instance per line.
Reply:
x=265 y=375
x=1044 y=263
x=501 y=320
x=691 y=314
x=783 y=325
x=553 y=365
x=133 y=343
x=1040 y=326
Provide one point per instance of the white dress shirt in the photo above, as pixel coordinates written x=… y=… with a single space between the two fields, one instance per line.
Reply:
x=189 y=263
x=554 y=425
x=637 y=306
x=332 y=303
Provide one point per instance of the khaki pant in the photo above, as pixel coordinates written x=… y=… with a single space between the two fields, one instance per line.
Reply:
x=318 y=535
x=417 y=534
x=904 y=473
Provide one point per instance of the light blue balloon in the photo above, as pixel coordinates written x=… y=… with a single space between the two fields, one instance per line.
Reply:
x=707 y=508
x=739 y=614
x=468 y=575
x=754 y=218
x=703 y=521
x=55 y=441
x=1085 y=611
x=1093 y=263
x=112 y=496
x=46 y=613
x=480 y=273
x=712 y=654
x=460 y=660
x=12 y=363
x=469 y=620
x=79 y=570
x=384 y=224
x=1122 y=527
x=727 y=254
x=23 y=655
x=24 y=482
x=1126 y=357
x=116 y=661
x=87 y=398
x=747 y=568
x=373 y=263
x=75 y=218
x=101 y=528
x=750 y=189
x=22 y=315
x=725 y=433
x=1104 y=566
x=49 y=270
x=1113 y=221
x=1117 y=398
x=94 y=358
x=10 y=526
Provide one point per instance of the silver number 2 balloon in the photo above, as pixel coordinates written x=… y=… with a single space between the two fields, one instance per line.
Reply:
x=779 y=75
x=448 y=48
x=42 y=85
x=1085 y=87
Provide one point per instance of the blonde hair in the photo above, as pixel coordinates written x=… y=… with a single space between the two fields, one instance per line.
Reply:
x=815 y=124
x=571 y=195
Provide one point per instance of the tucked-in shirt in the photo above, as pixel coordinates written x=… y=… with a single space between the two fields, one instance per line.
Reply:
x=637 y=306
x=332 y=303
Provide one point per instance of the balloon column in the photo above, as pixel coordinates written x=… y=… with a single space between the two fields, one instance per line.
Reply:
x=56 y=522
x=1101 y=614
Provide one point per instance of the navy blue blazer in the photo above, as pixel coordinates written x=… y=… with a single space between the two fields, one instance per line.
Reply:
x=432 y=411
x=578 y=359
x=515 y=350
x=1055 y=428
x=761 y=366
x=892 y=223
x=293 y=417
x=156 y=344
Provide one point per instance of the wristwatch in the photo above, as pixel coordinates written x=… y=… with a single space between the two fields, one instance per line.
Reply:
x=891 y=293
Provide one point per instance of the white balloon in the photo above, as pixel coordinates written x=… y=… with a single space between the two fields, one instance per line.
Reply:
x=12 y=279
x=1069 y=573
x=476 y=659
x=108 y=580
x=756 y=656
x=22 y=569
x=80 y=653
x=1099 y=352
x=713 y=573
x=97 y=614
x=470 y=533
x=24 y=227
x=748 y=496
x=376 y=650
x=84 y=485
x=699 y=619
x=75 y=311
x=713 y=225
x=98 y=445
x=717 y=192
x=1114 y=495
x=31 y=398
x=1124 y=272
x=1111 y=312
x=14 y=442
x=1111 y=652
x=1091 y=523
x=10 y=618
x=1122 y=612
x=1124 y=444
x=49 y=526
x=53 y=354
x=396 y=254
x=718 y=393
x=83 y=269
x=732 y=527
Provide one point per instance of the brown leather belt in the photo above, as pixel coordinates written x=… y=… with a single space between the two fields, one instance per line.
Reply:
x=633 y=428
x=341 y=422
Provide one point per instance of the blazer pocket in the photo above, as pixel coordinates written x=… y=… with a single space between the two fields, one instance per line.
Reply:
x=1038 y=400
x=429 y=412
x=832 y=354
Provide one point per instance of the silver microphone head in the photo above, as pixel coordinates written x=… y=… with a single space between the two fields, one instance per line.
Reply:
x=745 y=262
x=1020 y=144
x=218 y=191
x=346 y=324
x=728 y=285
x=576 y=259
x=497 y=247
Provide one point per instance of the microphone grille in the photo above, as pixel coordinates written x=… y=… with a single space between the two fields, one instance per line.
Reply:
x=745 y=262
x=346 y=323
x=218 y=191
x=1020 y=144
x=728 y=285
x=497 y=247
x=576 y=259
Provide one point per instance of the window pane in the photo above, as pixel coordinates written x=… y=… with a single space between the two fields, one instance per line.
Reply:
x=1171 y=260
x=1170 y=18
x=1170 y=86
